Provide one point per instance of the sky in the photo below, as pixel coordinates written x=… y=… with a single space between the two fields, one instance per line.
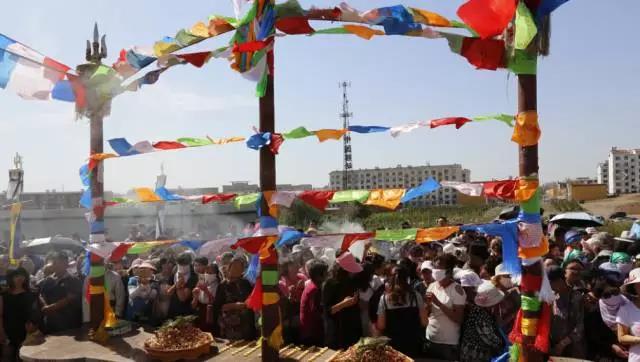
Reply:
x=588 y=98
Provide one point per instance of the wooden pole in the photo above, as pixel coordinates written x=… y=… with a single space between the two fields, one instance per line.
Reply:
x=270 y=313
x=528 y=162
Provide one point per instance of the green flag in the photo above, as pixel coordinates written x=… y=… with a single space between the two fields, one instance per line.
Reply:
x=526 y=28
x=522 y=62
x=195 y=142
x=351 y=195
x=340 y=30
x=245 y=199
x=396 y=235
x=299 y=132
x=505 y=118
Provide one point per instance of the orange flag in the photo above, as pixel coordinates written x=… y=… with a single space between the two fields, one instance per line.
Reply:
x=329 y=134
x=525 y=189
x=146 y=194
x=364 y=32
x=387 y=198
x=435 y=234
x=527 y=131
x=429 y=18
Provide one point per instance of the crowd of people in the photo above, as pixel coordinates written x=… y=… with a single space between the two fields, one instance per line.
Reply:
x=450 y=300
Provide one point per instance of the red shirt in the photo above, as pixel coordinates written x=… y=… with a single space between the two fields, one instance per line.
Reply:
x=311 y=324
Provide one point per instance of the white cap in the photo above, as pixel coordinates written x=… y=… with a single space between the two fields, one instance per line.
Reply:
x=427 y=264
x=501 y=270
x=468 y=278
x=488 y=295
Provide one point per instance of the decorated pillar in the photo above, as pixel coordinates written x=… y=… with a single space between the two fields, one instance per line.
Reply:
x=95 y=104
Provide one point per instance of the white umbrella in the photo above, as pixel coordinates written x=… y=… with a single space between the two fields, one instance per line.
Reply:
x=577 y=219
x=44 y=245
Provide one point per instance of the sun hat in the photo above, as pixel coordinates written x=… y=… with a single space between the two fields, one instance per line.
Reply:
x=488 y=295
x=468 y=278
x=146 y=265
x=136 y=263
x=427 y=264
x=348 y=262
x=501 y=270
x=634 y=278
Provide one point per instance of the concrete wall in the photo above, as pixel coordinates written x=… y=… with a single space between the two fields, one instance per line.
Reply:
x=210 y=221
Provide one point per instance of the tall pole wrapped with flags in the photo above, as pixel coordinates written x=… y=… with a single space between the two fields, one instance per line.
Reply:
x=16 y=183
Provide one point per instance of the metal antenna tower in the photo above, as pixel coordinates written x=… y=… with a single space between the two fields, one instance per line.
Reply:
x=346 y=116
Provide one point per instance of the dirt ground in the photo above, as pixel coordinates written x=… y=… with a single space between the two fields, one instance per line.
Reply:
x=626 y=203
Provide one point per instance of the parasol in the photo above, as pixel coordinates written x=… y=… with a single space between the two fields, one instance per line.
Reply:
x=576 y=219
x=45 y=245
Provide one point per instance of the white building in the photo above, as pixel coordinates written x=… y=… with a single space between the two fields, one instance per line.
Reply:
x=406 y=177
x=624 y=171
x=603 y=173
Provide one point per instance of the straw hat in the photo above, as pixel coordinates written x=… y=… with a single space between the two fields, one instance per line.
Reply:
x=135 y=264
x=147 y=265
x=488 y=295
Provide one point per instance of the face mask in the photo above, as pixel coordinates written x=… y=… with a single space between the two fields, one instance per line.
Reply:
x=184 y=269
x=438 y=274
x=210 y=278
x=506 y=283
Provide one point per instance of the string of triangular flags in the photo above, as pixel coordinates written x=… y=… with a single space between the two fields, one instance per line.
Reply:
x=274 y=141
x=520 y=190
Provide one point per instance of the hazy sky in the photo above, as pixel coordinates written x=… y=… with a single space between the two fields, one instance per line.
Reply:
x=588 y=98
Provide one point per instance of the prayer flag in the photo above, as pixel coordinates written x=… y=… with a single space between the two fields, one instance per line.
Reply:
x=387 y=198
x=488 y=18
x=368 y=129
x=363 y=32
x=457 y=121
x=471 y=189
x=329 y=134
x=526 y=29
x=299 y=132
x=396 y=235
x=317 y=199
x=435 y=234
x=146 y=194
x=527 y=131
x=428 y=186
x=351 y=195
x=166 y=195
x=222 y=198
x=168 y=145
x=122 y=147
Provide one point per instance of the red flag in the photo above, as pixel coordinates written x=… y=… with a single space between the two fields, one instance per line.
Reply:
x=294 y=25
x=254 y=302
x=488 y=17
x=349 y=239
x=195 y=59
x=78 y=91
x=251 y=245
x=120 y=251
x=276 y=141
x=457 y=121
x=168 y=145
x=222 y=198
x=484 y=53
x=504 y=190
x=317 y=199
x=249 y=47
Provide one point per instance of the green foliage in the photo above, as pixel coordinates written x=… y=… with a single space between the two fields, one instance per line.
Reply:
x=566 y=205
x=615 y=228
x=300 y=215
x=427 y=217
